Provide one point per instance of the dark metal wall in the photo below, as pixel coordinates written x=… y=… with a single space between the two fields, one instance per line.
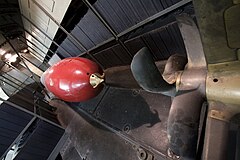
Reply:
x=121 y=14
x=90 y=31
x=30 y=124
x=41 y=143
x=12 y=122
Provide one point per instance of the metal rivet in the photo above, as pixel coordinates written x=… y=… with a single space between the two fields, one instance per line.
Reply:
x=215 y=80
x=126 y=128
x=142 y=155
x=135 y=92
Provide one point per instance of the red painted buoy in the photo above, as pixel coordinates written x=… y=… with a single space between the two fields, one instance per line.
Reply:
x=69 y=79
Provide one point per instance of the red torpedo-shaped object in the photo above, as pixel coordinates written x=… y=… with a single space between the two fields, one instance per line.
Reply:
x=69 y=79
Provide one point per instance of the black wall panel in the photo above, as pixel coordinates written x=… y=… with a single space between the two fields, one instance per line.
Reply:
x=41 y=143
x=12 y=122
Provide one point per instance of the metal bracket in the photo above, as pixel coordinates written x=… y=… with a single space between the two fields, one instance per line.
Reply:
x=96 y=79
x=219 y=115
x=144 y=155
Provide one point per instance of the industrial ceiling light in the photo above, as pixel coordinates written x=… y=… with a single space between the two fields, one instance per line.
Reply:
x=33 y=33
x=13 y=58
x=8 y=55
x=10 y=58
x=2 y=52
x=29 y=37
x=25 y=51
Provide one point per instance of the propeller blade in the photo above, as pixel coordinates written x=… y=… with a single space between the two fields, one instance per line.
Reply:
x=183 y=123
x=192 y=41
x=147 y=74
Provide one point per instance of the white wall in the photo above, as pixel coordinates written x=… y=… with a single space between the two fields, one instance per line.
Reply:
x=54 y=60
x=57 y=9
x=3 y=95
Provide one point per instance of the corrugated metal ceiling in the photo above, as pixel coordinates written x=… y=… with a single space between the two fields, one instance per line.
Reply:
x=161 y=36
